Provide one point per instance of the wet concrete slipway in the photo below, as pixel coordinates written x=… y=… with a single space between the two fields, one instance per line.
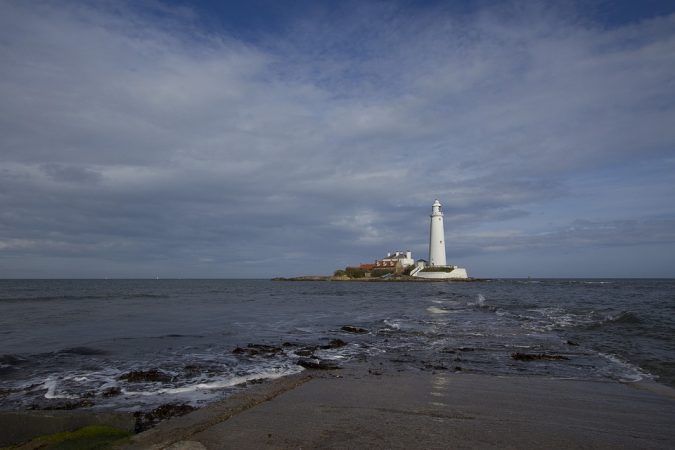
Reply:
x=338 y=409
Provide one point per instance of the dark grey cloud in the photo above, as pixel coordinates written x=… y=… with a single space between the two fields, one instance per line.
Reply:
x=138 y=146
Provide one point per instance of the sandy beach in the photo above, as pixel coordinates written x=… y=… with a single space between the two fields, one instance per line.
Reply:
x=427 y=410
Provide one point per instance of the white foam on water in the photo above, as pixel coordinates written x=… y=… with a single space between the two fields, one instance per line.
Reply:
x=332 y=357
x=480 y=301
x=220 y=384
x=51 y=385
x=435 y=310
x=395 y=324
x=630 y=373
x=304 y=330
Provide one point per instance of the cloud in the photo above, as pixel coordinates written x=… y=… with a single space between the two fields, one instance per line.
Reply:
x=137 y=140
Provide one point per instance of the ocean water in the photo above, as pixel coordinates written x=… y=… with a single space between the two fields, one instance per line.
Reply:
x=70 y=343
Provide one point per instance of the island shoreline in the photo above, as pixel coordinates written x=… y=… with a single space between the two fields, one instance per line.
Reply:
x=397 y=279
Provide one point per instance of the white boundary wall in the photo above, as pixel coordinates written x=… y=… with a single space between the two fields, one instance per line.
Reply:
x=458 y=273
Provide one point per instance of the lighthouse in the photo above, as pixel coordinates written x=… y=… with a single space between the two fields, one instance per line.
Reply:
x=437 y=236
x=437 y=267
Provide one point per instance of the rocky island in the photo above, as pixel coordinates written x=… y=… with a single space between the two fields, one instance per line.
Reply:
x=400 y=265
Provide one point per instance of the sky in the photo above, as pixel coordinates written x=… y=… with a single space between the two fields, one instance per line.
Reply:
x=233 y=139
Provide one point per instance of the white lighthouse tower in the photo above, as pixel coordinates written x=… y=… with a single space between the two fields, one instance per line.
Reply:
x=437 y=268
x=437 y=236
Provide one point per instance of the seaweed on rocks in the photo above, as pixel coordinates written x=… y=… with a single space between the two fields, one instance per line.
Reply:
x=111 y=392
x=152 y=375
x=537 y=357
x=5 y=392
x=257 y=349
x=62 y=405
x=192 y=370
x=335 y=343
x=353 y=329
x=434 y=366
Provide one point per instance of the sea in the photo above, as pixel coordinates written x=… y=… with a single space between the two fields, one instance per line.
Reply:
x=132 y=345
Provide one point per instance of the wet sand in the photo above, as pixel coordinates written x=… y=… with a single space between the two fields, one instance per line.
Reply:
x=355 y=409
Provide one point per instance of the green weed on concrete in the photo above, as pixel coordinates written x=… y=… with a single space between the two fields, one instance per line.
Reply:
x=87 y=438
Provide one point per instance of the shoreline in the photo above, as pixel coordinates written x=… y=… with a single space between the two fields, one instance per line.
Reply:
x=20 y=427
x=359 y=408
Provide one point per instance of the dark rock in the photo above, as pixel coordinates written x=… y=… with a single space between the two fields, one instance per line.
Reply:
x=111 y=392
x=11 y=360
x=317 y=364
x=353 y=329
x=152 y=375
x=374 y=372
x=537 y=357
x=304 y=352
x=288 y=344
x=457 y=369
x=257 y=349
x=63 y=405
x=436 y=367
x=335 y=343
x=571 y=343
x=5 y=392
x=84 y=351
x=402 y=360
x=147 y=420
x=192 y=370
x=252 y=381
